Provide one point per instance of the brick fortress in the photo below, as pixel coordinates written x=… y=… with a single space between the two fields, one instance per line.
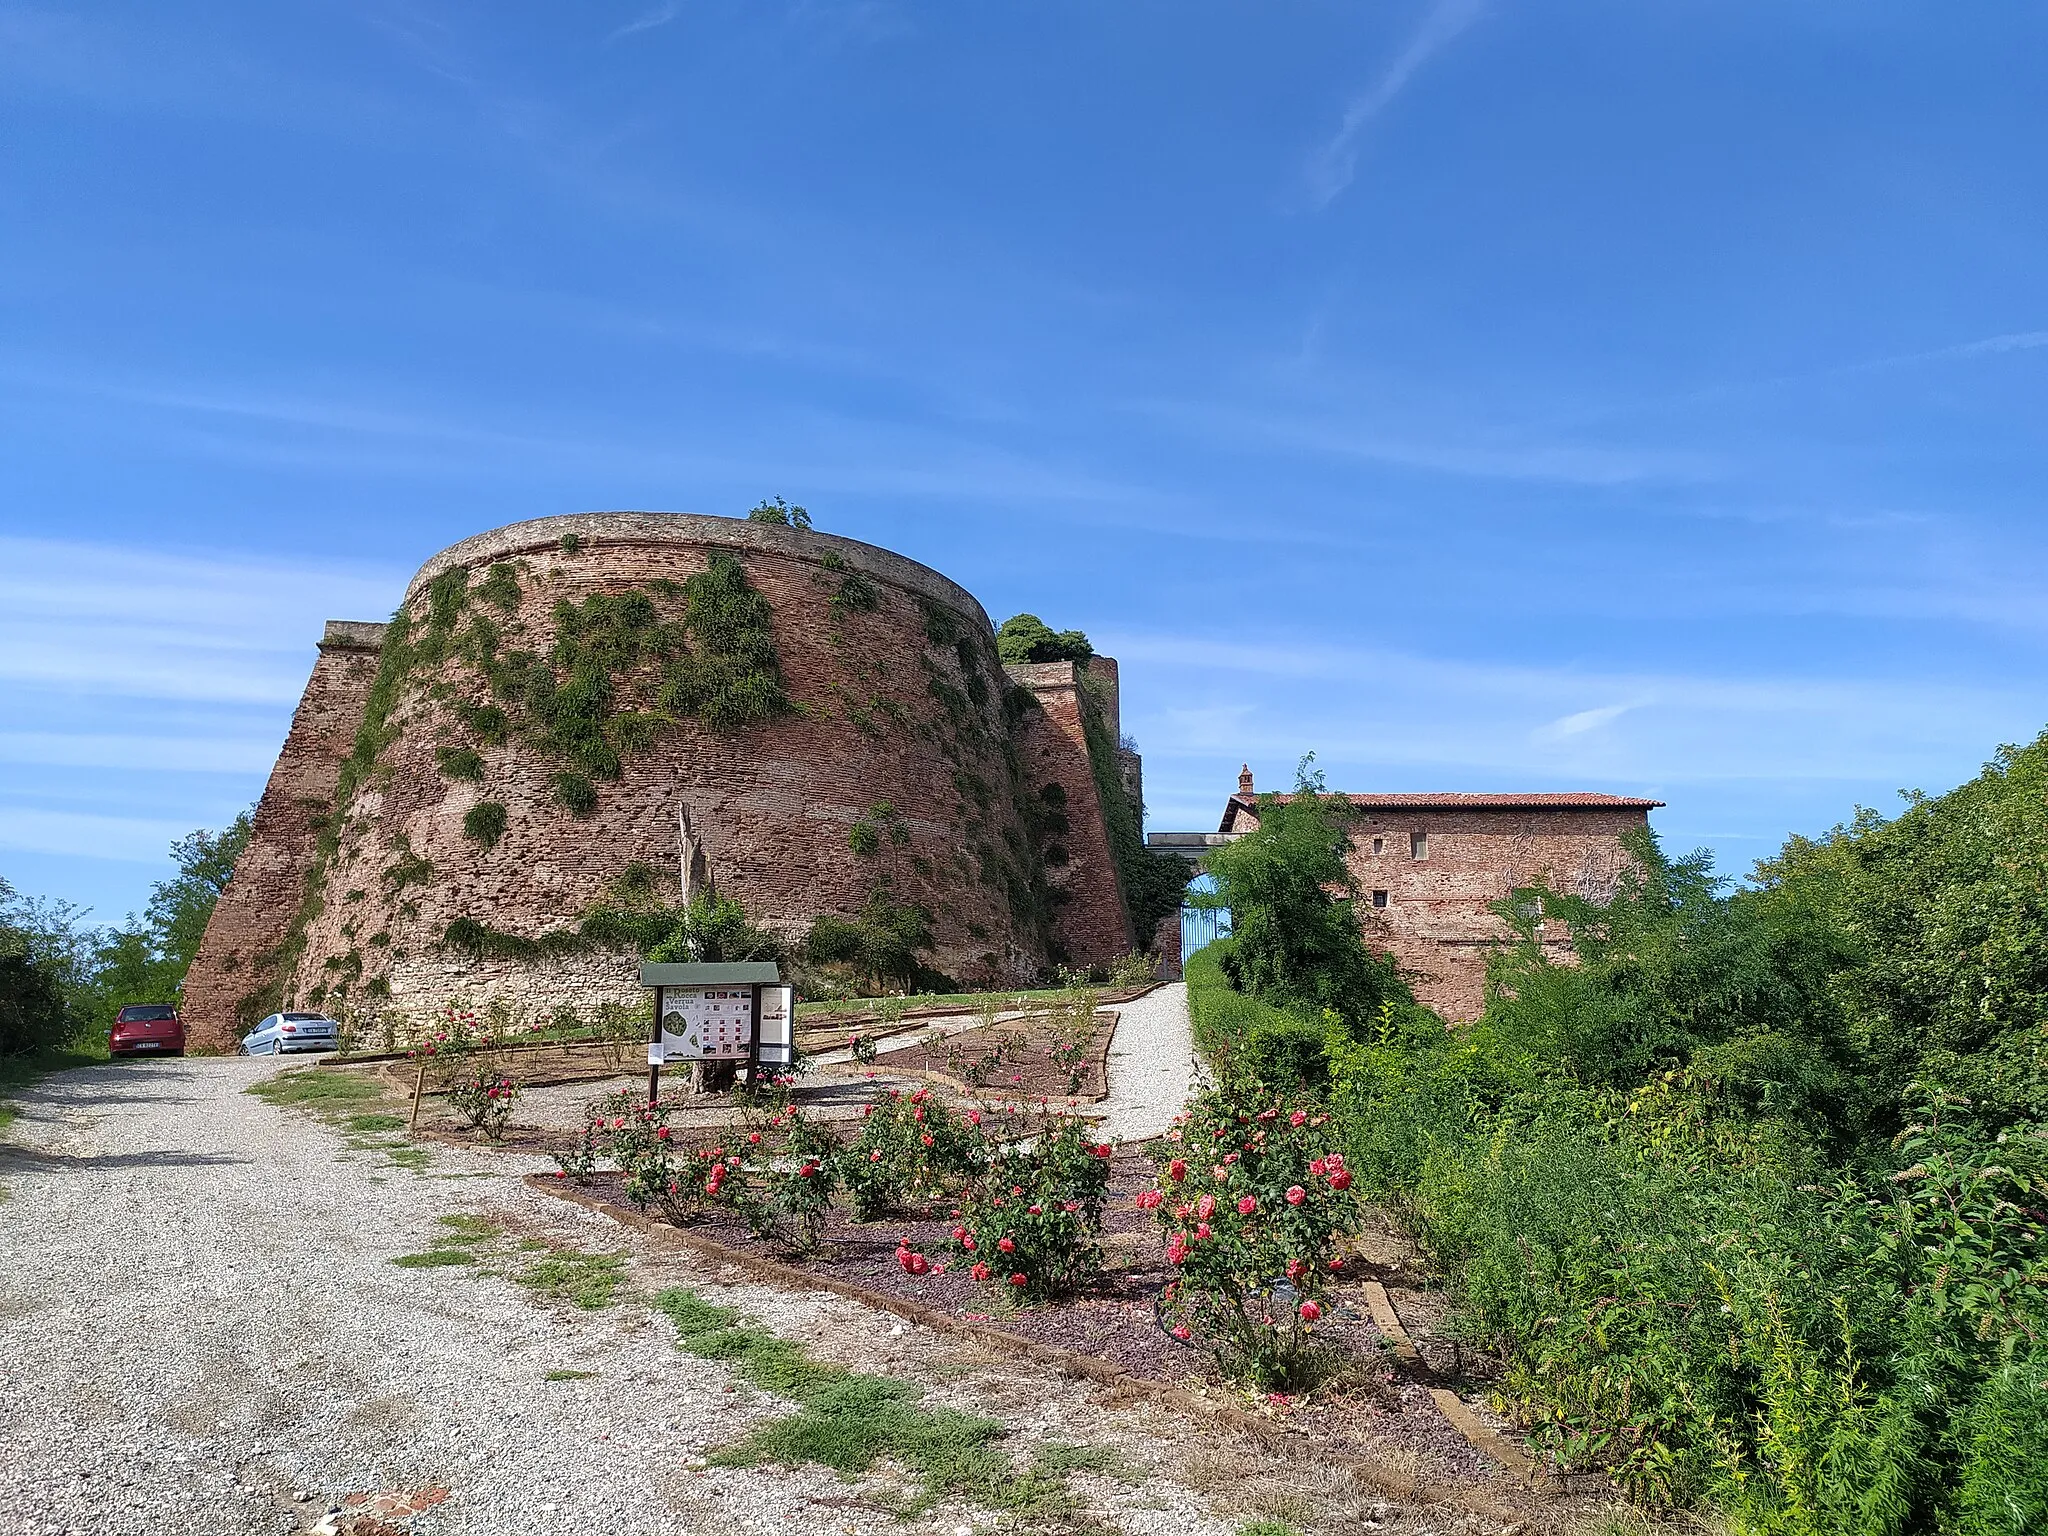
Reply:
x=1429 y=868
x=638 y=706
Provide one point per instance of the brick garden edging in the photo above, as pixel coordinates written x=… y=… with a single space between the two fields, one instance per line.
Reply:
x=1271 y=1437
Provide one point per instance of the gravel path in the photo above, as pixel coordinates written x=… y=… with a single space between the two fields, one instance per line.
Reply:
x=1152 y=1067
x=201 y=1332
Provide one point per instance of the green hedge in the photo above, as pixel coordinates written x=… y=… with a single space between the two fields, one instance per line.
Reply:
x=1239 y=1035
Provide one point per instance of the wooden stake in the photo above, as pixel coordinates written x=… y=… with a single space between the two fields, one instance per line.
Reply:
x=418 y=1088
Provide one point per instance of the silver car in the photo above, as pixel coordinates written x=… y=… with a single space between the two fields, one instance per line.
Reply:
x=283 y=1032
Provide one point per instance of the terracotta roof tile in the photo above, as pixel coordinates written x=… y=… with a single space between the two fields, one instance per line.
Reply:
x=1562 y=801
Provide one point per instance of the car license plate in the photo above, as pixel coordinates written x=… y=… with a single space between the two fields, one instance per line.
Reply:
x=142 y=1045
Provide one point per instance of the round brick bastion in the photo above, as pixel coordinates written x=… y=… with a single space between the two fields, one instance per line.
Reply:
x=574 y=711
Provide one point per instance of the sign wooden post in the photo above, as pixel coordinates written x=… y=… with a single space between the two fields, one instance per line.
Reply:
x=654 y=1055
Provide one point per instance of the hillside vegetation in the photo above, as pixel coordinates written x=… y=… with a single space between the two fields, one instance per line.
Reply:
x=1749 y=1201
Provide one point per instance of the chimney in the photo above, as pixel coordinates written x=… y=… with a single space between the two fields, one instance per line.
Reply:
x=1244 y=779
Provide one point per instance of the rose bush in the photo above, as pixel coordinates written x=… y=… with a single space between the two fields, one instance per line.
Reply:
x=911 y=1150
x=484 y=1098
x=1029 y=1224
x=1252 y=1199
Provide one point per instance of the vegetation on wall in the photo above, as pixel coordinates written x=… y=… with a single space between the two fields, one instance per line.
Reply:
x=484 y=823
x=1750 y=1201
x=780 y=512
x=1151 y=885
x=883 y=944
x=1027 y=638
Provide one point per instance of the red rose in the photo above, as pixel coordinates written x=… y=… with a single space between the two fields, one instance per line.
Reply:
x=1341 y=1179
x=1176 y=1170
x=1182 y=1332
x=1246 y=1205
x=753 y=1138
x=1296 y=1194
x=1310 y=1311
x=1005 y=1245
x=1020 y=1278
x=1298 y=1118
x=1206 y=1207
x=980 y=1271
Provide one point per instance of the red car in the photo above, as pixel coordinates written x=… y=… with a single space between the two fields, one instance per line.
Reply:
x=147 y=1029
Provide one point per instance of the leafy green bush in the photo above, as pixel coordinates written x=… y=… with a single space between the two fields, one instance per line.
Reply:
x=780 y=512
x=882 y=944
x=460 y=763
x=1026 y=638
x=910 y=1150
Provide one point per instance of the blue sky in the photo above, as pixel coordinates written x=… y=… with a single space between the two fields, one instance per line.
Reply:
x=1484 y=396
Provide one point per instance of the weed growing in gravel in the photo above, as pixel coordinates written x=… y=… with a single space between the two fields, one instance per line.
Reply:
x=466 y=1231
x=590 y=1280
x=848 y=1421
x=568 y=1375
x=1267 y=1528
x=375 y=1125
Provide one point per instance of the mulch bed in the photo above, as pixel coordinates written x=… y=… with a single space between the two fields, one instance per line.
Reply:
x=1366 y=1410
x=1027 y=1070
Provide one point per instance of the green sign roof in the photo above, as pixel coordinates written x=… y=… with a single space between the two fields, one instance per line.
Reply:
x=732 y=973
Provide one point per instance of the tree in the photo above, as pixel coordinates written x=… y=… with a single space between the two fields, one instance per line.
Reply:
x=1027 y=638
x=44 y=965
x=180 y=906
x=1295 y=940
x=781 y=512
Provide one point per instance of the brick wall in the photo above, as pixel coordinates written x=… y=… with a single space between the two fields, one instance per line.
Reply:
x=883 y=713
x=251 y=918
x=1090 y=923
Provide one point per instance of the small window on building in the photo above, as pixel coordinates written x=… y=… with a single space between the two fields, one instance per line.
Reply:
x=1379 y=846
x=1418 y=845
x=1379 y=898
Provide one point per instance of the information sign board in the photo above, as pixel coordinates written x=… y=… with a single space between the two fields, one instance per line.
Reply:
x=777 y=1026
x=703 y=1024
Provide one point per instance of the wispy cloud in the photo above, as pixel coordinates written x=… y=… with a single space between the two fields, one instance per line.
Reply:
x=1331 y=168
x=1388 y=719
x=1567 y=726
x=129 y=623
x=660 y=16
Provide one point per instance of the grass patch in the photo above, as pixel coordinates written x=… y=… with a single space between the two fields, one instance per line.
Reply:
x=590 y=1280
x=849 y=1421
x=466 y=1231
x=1267 y=1528
x=375 y=1125
x=1056 y=1459
x=568 y=1375
x=315 y=1088
x=434 y=1258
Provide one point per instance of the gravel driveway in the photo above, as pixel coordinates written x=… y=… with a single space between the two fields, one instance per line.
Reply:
x=201 y=1331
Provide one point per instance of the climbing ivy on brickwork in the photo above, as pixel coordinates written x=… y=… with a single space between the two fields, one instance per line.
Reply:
x=1152 y=886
